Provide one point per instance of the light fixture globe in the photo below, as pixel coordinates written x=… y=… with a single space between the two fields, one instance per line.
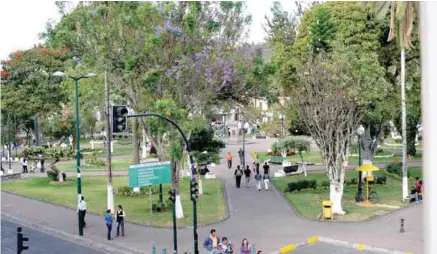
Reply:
x=59 y=74
x=91 y=75
x=360 y=130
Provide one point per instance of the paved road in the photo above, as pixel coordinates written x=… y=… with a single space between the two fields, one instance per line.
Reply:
x=324 y=248
x=39 y=242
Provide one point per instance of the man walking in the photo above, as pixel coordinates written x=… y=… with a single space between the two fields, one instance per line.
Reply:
x=241 y=155
x=212 y=242
x=81 y=208
x=229 y=160
x=266 y=176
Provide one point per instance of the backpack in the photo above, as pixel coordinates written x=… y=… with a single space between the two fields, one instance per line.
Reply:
x=239 y=172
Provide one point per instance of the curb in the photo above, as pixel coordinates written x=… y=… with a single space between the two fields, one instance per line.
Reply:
x=225 y=195
x=356 y=246
x=106 y=248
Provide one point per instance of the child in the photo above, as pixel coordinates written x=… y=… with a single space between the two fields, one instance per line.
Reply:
x=108 y=221
x=258 y=179
x=254 y=167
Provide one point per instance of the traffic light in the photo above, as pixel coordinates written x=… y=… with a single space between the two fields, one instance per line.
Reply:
x=119 y=118
x=21 y=240
x=172 y=194
x=194 y=190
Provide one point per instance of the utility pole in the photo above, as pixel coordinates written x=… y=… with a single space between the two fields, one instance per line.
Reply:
x=9 y=144
x=108 y=147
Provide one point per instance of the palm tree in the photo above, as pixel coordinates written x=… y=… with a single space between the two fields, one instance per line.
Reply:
x=402 y=17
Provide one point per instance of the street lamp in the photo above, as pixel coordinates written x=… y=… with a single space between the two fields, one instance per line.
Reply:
x=281 y=117
x=79 y=184
x=360 y=197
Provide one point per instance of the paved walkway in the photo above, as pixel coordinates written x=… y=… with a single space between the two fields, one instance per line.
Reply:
x=262 y=217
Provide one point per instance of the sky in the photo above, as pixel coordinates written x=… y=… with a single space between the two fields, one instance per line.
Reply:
x=22 y=21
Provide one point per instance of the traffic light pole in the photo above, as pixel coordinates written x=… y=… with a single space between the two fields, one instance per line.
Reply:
x=193 y=177
x=175 y=232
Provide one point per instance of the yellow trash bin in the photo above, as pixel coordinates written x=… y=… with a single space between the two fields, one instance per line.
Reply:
x=327 y=210
x=370 y=179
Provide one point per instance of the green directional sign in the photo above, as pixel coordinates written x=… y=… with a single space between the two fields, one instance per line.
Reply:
x=149 y=174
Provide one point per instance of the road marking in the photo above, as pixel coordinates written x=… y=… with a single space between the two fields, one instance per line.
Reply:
x=312 y=239
x=288 y=248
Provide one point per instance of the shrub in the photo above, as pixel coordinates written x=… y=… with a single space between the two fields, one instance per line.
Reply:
x=381 y=180
x=301 y=185
x=126 y=191
x=324 y=184
x=352 y=181
x=396 y=168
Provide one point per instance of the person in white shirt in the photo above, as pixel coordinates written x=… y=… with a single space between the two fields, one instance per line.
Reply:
x=81 y=209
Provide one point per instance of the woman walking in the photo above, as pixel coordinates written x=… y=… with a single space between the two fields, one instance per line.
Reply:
x=238 y=174
x=247 y=173
x=120 y=220
x=245 y=249
x=108 y=220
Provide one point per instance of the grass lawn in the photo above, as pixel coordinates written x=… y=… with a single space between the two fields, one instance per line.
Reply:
x=315 y=157
x=117 y=164
x=309 y=202
x=211 y=206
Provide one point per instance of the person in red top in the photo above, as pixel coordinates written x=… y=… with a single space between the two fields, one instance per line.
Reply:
x=419 y=187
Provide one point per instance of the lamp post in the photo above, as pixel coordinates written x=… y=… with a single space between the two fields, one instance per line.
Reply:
x=244 y=140
x=76 y=86
x=281 y=117
x=360 y=197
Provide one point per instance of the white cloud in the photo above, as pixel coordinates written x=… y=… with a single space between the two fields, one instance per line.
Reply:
x=22 y=21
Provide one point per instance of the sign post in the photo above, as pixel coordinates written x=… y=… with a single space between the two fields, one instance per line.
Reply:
x=149 y=174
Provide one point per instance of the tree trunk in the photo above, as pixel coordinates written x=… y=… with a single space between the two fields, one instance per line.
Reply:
x=404 y=127
x=175 y=184
x=135 y=141
x=336 y=190
x=144 y=153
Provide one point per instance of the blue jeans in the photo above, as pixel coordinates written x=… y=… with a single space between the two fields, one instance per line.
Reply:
x=109 y=226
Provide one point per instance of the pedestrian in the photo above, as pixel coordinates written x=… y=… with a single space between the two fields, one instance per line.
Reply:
x=247 y=173
x=419 y=188
x=238 y=174
x=266 y=168
x=82 y=206
x=108 y=221
x=257 y=165
x=245 y=249
x=241 y=155
x=120 y=220
x=225 y=246
x=229 y=160
x=24 y=165
x=266 y=178
x=212 y=242
x=258 y=179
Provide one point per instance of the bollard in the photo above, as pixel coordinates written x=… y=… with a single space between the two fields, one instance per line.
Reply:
x=402 y=230
x=164 y=251
x=253 y=248
x=153 y=249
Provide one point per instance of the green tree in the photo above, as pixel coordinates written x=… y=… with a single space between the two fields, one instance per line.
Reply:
x=322 y=30
x=28 y=88
x=402 y=17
